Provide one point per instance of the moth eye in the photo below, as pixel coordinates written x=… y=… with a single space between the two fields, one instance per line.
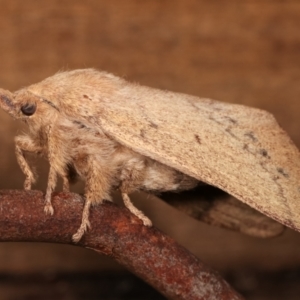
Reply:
x=28 y=109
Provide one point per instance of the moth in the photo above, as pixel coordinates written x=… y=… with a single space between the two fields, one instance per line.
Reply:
x=120 y=135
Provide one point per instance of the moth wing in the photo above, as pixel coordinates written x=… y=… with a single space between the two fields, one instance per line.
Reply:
x=238 y=149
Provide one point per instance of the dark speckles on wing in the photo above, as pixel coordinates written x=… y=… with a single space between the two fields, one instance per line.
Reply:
x=264 y=153
x=251 y=136
x=87 y=97
x=245 y=147
x=142 y=133
x=153 y=125
x=212 y=118
x=197 y=138
x=282 y=172
x=229 y=131
x=231 y=120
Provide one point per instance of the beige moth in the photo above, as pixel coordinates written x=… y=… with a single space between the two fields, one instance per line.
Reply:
x=119 y=135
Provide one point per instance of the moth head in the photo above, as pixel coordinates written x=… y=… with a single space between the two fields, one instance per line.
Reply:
x=25 y=105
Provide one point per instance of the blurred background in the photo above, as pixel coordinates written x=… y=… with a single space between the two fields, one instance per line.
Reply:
x=245 y=52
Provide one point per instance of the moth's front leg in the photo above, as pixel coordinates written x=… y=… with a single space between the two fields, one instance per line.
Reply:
x=66 y=184
x=97 y=188
x=56 y=166
x=52 y=180
x=24 y=143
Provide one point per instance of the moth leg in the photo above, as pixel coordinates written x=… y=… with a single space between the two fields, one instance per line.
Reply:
x=85 y=223
x=146 y=221
x=52 y=179
x=97 y=189
x=66 y=184
x=24 y=143
x=132 y=177
x=56 y=163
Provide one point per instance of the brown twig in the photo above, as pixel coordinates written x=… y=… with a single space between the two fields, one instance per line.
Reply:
x=147 y=252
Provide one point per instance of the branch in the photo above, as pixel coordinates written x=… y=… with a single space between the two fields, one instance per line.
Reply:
x=147 y=252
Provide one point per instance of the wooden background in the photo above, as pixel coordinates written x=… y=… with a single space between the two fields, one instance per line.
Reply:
x=245 y=52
